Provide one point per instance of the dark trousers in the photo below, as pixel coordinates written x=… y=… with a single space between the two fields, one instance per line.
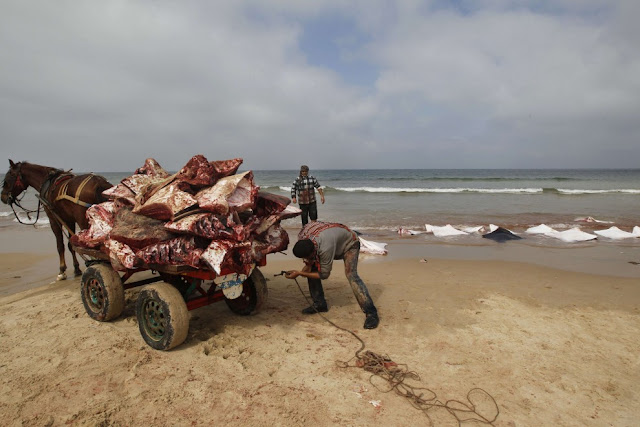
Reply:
x=309 y=211
x=357 y=285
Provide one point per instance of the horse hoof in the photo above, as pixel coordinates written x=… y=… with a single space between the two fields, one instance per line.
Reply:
x=77 y=273
x=61 y=276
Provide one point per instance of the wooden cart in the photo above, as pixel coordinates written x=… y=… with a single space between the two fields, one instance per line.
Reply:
x=162 y=308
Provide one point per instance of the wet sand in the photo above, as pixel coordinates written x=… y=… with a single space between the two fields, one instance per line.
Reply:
x=551 y=334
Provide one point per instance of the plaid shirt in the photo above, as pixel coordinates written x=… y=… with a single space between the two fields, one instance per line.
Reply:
x=304 y=186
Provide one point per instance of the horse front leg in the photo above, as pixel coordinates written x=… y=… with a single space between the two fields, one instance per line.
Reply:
x=57 y=231
x=76 y=265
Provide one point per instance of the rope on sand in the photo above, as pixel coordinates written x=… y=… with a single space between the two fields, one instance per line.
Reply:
x=420 y=398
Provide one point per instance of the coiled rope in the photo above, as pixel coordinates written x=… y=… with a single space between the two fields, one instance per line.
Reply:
x=422 y=398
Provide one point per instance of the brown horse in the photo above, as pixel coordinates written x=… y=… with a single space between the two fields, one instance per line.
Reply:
x=65 y=198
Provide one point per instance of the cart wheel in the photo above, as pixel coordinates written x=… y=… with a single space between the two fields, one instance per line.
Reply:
x=102 y=292
x=254 y=295
x=162 y=315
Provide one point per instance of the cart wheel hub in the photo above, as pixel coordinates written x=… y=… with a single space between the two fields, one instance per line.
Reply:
x=155 y=321
x=95 y=294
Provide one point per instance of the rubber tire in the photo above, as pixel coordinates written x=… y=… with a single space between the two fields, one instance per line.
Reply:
x=102 y=292
x=163 y=317
x=254 y=295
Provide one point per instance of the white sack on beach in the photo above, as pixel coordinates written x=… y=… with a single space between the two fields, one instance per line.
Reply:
x=591 y=219
x=572 y=235
x=615 y=233
x=374 y=248
x=405 y=231
x=540 y=229
x=446 y=231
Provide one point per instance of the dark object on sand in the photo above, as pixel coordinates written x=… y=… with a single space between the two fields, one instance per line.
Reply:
x=501 y=235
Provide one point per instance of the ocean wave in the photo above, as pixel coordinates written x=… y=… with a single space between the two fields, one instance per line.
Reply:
x=454 y=190
x=24 y=219
x=612 y=191
x=439 y=190
x=477 y=179
x=272 y=188
x=5 y=214
x=472 y=190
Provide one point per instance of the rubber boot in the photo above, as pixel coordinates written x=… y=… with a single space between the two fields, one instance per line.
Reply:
x=372 y=320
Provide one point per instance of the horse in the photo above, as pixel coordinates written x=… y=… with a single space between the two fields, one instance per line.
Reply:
x=64 y=196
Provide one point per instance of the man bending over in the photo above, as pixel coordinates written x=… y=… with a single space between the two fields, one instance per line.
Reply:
x=319 y=243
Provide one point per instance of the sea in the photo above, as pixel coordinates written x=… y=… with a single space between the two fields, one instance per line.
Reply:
x=380 y=203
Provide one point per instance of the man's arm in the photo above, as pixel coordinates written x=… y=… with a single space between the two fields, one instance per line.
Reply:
x=305 y=272
x=308 y=274
x=316 y=184
x=294 y=187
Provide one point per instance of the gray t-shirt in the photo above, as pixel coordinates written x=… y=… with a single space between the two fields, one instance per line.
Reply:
x=332 y=244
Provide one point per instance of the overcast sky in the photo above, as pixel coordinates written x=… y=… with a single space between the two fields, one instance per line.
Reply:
x=102 y=85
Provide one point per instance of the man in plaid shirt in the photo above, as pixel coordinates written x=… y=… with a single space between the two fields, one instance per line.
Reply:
x=304 y=186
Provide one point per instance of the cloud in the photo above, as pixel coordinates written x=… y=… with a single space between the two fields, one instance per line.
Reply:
x=103 y=85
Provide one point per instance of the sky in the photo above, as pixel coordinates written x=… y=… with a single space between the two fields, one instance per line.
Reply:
x=94 y=85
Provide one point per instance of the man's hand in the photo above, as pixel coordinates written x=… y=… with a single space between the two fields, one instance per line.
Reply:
x=292 y=274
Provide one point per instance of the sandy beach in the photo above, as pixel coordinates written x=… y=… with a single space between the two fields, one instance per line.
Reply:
x=550 y=335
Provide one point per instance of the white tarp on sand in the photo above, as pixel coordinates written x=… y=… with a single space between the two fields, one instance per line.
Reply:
x=447 y=230
x=616 y=233
x=374 y=248
x=572 y=235
x=540 y=229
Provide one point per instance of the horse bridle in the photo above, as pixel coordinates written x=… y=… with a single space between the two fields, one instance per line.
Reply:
x=11 y=200
x=17 y=182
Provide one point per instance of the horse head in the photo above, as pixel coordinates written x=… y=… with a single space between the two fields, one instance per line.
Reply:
x=13 y=184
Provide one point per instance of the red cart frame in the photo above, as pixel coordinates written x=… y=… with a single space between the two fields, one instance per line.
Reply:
x=161 y=308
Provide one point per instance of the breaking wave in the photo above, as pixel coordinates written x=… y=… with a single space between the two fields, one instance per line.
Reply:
x=42 y=221
x=438 y=190
x=476 y=179
x=459 y=190
x=618 y=191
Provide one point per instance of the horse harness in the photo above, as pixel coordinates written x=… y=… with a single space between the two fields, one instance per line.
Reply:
x=60 y=178
x=55 y=178
x=62 y=193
